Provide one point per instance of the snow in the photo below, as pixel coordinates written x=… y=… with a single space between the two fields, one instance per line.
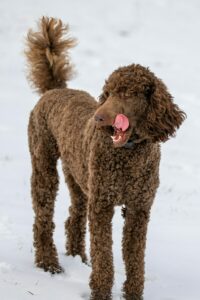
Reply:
x=161 y=34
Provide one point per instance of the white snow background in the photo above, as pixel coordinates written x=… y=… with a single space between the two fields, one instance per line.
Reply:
x=161 y=34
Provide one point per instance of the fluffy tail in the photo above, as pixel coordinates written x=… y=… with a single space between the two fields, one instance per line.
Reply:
x=47 y=55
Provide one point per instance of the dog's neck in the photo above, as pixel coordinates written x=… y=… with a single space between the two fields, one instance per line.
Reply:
x=129 y=144
x=135 y=139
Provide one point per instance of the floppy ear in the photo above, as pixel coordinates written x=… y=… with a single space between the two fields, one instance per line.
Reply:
x=163 y=116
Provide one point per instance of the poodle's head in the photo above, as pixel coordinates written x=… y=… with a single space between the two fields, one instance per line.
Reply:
x=135 y=104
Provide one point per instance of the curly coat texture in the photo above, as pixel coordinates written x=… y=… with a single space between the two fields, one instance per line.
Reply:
x=99 y=176
x=47 y=53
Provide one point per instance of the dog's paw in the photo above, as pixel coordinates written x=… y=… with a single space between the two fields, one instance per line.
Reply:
x=52 y=268
x=84 y=258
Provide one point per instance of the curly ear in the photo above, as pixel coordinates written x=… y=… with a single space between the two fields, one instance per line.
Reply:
x=163 y=116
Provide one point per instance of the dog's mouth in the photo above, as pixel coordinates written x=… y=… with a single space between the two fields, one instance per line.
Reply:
x=121 y=130
x=119 y=137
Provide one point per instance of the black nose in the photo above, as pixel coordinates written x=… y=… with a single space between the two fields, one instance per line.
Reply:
x=99 y=118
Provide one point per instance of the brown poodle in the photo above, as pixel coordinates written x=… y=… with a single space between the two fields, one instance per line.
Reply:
x=110 y=154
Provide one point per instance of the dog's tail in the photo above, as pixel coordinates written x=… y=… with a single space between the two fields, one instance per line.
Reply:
x=49 y=65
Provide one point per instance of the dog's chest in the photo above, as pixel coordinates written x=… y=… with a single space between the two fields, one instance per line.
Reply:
x=117 y=175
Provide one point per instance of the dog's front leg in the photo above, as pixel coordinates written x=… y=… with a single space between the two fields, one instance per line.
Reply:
x=100 y=224
x=134 y=241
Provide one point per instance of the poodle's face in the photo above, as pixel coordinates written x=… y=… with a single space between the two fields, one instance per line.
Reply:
x=135 y=104
x=123 y=110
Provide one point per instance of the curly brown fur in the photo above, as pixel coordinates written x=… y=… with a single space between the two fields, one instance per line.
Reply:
x=47 y=55
x=161 y=117
x=75 y=226
x=70 y=125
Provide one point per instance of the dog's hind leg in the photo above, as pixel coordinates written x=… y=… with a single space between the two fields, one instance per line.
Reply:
x=75 y=226
x=44 y=185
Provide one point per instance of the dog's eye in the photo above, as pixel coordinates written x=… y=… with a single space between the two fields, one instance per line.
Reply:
x=107 y=94
x=127 y=98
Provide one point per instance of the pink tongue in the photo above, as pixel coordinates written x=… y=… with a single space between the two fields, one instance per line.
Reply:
x=121 y=122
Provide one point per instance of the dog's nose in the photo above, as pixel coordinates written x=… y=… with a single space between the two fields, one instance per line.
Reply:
x=99 y=118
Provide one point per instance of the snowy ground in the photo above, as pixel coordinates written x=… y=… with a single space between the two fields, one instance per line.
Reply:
x=162 y=34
